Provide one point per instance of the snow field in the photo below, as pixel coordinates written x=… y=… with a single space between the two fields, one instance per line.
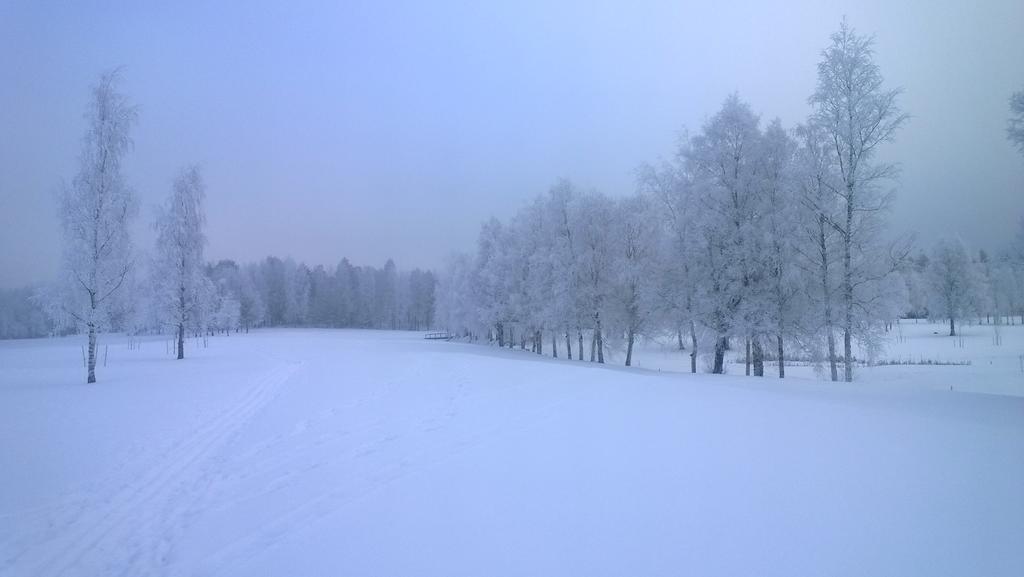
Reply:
x=311 y=452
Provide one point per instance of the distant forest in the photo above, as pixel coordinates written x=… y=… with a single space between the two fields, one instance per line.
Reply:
x=272 y=292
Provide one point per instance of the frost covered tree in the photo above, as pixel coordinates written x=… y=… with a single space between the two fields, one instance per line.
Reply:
x=778 y=226
x=96 y=211
x=596 y=252
x=251 y=310
x=858 y=114
x=1015 y=126
x=678 y=277
x=519 y=280
x=752 y=236
x=819 y=250
x=456 y=311
x=724 y=161
x=296 y=293
x=633 y=271
x=238 y=302
x=951 y=277
x=181 y=286
x=489 y=282
x=535 y=275
x=914 y=273
x=565 y=306
x=226 y=306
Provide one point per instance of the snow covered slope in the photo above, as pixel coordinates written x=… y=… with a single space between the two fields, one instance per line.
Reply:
x=303 y=452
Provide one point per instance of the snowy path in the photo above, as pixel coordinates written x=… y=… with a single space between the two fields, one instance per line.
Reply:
x=362 y=453
x=128 y=530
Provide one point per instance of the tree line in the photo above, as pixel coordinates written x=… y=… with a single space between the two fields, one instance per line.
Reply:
x=750 y=235
x=955 y=285
x=105 y=284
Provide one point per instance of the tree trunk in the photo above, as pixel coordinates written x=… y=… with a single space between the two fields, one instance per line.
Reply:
x=848 y=287
x=554 y=345
x=747 y=361
x=568 y=346
x=719 y=366
x=593 y=346
x=848 y=352
x=600 y=343
x=629 y=348
x=952 y=327
x=679 y=334
x=782 y=358
x=826 y=295
x=539 y=338
x=693 y=348
x=758 y=357
x=579 y=331
x=91 y=377
x=181 y=312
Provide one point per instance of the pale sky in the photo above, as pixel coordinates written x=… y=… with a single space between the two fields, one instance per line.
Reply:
x=390 y=129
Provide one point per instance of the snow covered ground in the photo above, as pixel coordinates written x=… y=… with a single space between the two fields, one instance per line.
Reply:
x=319 y=452
x=993 y=368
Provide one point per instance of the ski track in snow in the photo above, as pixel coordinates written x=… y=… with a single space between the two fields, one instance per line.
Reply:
x=285 y=451
x=145 y=515
x=321 y=505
